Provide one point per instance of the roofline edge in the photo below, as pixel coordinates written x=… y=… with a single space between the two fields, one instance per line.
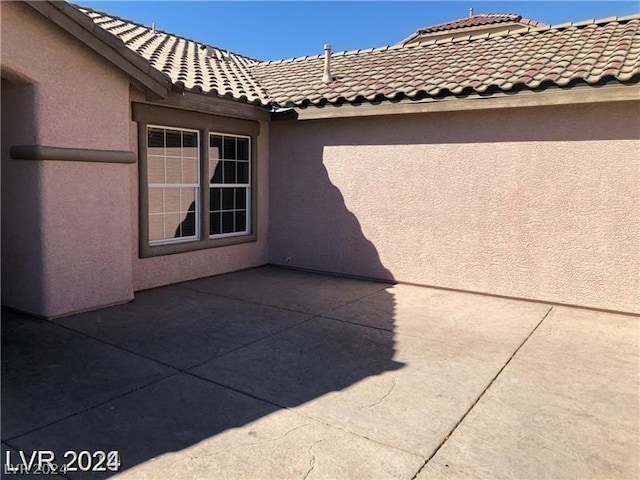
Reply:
x=72 y=21
x=574 y=96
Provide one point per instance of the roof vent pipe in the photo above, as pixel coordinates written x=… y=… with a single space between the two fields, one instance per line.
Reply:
x=153 y=28
x=326 y=76
x=471 y=12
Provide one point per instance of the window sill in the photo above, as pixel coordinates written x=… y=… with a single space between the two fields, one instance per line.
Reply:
x=147 y=251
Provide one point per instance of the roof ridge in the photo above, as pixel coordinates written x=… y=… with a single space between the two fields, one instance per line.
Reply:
x=138 y=24
x=527 y=30
x=470 y=37
x=340 y=53
x=475 y=15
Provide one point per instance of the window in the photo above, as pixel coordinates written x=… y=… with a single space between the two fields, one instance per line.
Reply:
x=230 y=187
x=197 y=175
x=173 y=167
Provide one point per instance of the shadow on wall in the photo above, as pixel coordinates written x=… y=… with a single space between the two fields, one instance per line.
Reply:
x=272 y=358
x=309 y=226
x=22 y=249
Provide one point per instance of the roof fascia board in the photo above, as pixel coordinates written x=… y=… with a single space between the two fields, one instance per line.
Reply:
x=103 y=43
x=576 y=95
x=213 y=105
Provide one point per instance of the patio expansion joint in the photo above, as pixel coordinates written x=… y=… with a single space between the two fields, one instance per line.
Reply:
x=271 y=335
x=91 y=407
x=114 y=345
x=228 y=297
x=486 y=388
x=322 y=314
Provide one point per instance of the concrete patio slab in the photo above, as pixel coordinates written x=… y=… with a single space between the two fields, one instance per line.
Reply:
x=49 y=372
x=290 y=289
x=566 y=407
x=305 y=362
x=412 y=310
x=182 y=327
x=379 y=384
x=162 y=431
x=392 y=381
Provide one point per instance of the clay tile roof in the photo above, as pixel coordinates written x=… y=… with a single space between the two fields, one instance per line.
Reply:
x=479 y=20
x=190 y=65
x=588 y=52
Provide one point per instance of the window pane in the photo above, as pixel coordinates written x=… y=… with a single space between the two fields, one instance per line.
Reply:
x=215 y=170
x=172 y=225
x=173 y=138
x=230 y=148
x=155 y=137
x=243 y=148
x=227 y=222
x=241 y=198
x=155 y=200
x=188 y=224
x=172 y=200
x=215 y=227
x=190 y=144
x=227 y=198
x=229 y=169
x=241 y=221
x=156 y=227
x=174 y=170
x=214 y=199
x=187 y=199
x=215 y=146
x=190 y=170
x=243 y=172
x=155 y=170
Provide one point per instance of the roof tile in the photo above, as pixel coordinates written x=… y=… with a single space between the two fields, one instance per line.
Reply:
x=559 y=56
x=586 y=51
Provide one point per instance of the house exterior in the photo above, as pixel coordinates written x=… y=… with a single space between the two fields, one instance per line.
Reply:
x=501 y=161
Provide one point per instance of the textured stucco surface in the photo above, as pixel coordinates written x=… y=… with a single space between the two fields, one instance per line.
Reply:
x=22 y=249
x=163 y=270
x=83 y=242
x=538 y=203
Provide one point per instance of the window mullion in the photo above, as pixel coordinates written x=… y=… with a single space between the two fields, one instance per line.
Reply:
x=205 y=216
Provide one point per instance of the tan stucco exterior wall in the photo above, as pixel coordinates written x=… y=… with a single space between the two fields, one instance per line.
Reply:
x=83 y=238
x=164 y=270
x=538 y=203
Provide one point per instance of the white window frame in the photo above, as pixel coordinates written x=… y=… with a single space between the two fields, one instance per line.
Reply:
x=196 y=186
x=248 y=199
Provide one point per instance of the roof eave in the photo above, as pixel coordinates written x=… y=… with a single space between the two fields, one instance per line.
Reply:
x=610 y=92
x=105 y=44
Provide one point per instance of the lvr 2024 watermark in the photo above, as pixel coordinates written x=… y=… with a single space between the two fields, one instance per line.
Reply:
x=44 y=462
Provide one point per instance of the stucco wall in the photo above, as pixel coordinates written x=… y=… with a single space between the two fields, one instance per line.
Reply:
x=163 y=270
x=22 y=249
x=83 y=209
x=538 y=203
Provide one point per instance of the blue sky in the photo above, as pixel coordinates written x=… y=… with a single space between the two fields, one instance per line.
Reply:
x=277 y=30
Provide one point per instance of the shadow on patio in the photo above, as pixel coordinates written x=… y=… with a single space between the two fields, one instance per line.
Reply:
x=186 y=363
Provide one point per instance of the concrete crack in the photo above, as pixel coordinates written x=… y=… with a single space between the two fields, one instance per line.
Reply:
x=382 y=399
x=245 y=445
x=312 y=462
